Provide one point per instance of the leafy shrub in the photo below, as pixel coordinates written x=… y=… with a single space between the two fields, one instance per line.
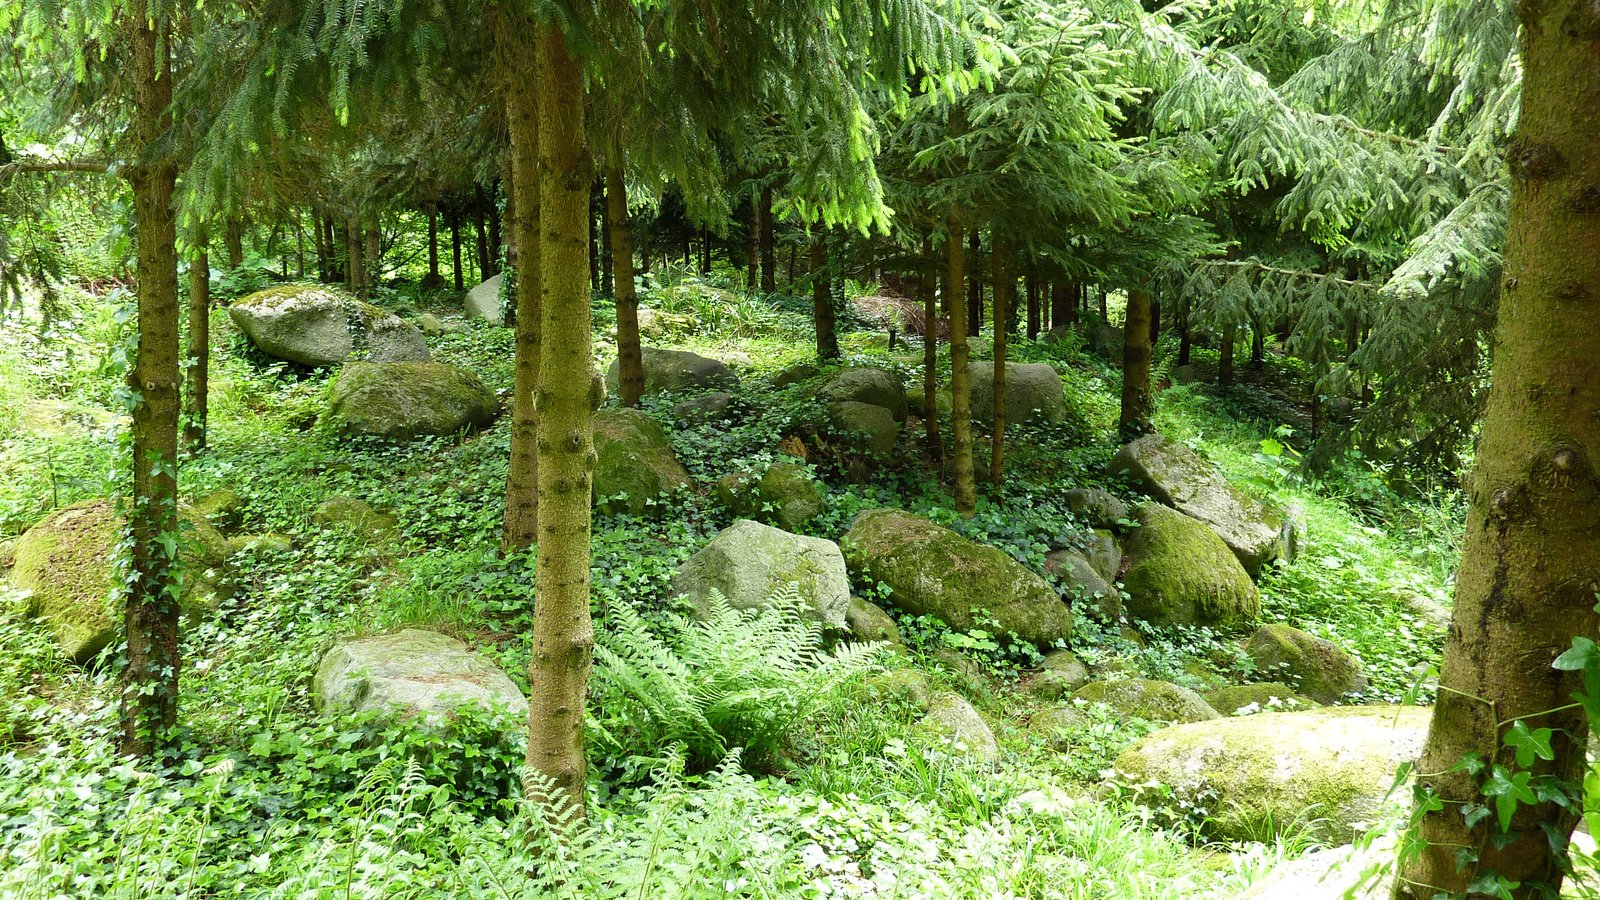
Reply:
x=739 y=679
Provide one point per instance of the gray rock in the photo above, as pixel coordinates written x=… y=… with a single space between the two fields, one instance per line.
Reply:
x=399 y=401
x=1062 y=675
x=931 y=570
x=784 y=495
x=1180 y=573
x=959 y=726
x=634 y=462
x=1156 y=701
x=1097 y=508
x=1082 y=585
x=413 y=674
x=795 y=374
x=704 y=408
x=1105 y=340
x=1178 y=477
x=868 y=622
x=677 y=370
x=1056 y=726
x=1322 y=669
x=747 y=561
x=319 y=326
x=875 y=426
x=1033 y=392
x=1104 y=553
x=1185 y=374
x=483 y=302
x=1323 y=770
x=908 y=686
x=222 y=508
x=865 y=384
x=431 y=325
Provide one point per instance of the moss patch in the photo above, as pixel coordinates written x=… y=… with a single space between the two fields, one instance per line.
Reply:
x=633 y=457
x=404 y=400
x=1181 y=573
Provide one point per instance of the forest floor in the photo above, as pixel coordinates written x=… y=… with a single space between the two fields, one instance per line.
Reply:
x=267 y=797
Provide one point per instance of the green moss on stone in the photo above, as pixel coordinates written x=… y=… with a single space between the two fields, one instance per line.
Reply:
x=1181 y=573
x=1144 y=698
x=633 y=457
x=404 y=400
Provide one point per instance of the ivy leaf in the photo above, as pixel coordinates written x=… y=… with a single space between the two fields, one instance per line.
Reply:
x=1530 y=745
x=1582 y=653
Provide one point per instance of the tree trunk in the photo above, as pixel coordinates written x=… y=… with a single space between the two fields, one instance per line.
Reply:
x=752 y=244
x=496 y=241
x=1005 y=288
x=1136 y=400
x=299 y=248
x=769 y=258
x=1184 y=338
x=975 y=288
x=520 y=529
x=563 y=636
x=705 y=250
x=481 y=226
x=149 y=708
x=608 y=264
x=793 y=253
x=930 y=359
x=194 y=428
x=630 y=355
x=1155 y=321
x=455 y=249
x=1528 y=575
x=1104 y=316
x=960 y=388
x=233 y=240
x=355 y=268
x=372 y=259
x=1258 y=345
x=597 y=233
x=1033 y=308
x=822 y=299
x=1225 y=362
x=433 y=243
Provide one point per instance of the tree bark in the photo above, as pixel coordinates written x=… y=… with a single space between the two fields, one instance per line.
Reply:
x=822 y=299
x=1034 y=308
x=630 y=355
x=433 y=243
x=960 y=386
x=930 y=359
x=355 y=270
x=752 y=243
x=372 y=257
x=455 y=249
x=1136 y=399
x=563 y=639
x=1530 y=564
x=233 y=240
x=1184 y=338
x=974 y=288
x=1155 y=320
x=1005 y=288
x=1225 y=361
x=481 y=227
x=196 y=383
x=769 y=256
x=520 y=529
x=491 y=262
x=149 y=703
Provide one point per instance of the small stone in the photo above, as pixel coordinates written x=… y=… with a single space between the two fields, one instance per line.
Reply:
x=413 y=674
x=1057 y=725
x=874 y=426
x=357 y=515
x=222 y=508
x=908 y=686
x=747 y=561
x=1264 y=697
x=868 y=622
x=953 y=719
x=1144 y=698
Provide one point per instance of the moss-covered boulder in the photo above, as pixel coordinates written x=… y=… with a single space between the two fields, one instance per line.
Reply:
x=1145 y=698
x=634 y=462
x=747 y=561
x=1180 y=573
x=953 y=722
x=1063 y=674
x=1240 y=699
x=223 y=508
x=413 y=674
x=399 y=401
x=1097 y=508
x=1103 y=552
x=267 y=542
x=930 y=570
x=677 y=371
x=1324 y=769
x=65 y=562
x=484 y=304
x=1082 y=584
x=868 y=622
x=866 y=384
x=1322 y=669
x=871 y=426
x=315 y=325
x=354 y=515
x=1033 y=392
x=710 y=407
x=784 y=495
x=1178 y=477
x=907 y=686
x=1057 y=726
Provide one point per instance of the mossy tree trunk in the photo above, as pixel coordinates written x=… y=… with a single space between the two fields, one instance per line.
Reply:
x=149 y=704
x=930 y=357
x=455 y=250
x=1136 y=399
x=233 y=241
x=563 y=635
x=630 y=355
x=521 y=526
x=433 y=242
x=196 y=382
x=974 y=286
x=1005 y=289
x=769 y=251
x=1530 y=564
x=822 y=299
x=960 y=383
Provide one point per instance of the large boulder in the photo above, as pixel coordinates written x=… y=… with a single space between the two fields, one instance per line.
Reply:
x=412 y=674
x=874 y=426
x=398 y=401
x=931 y=570
x=1104 y=339
x=634 y=462
x=953 y=721
x=1322 y=669
x=66 y=563
x=747 y=561
x=1144 y=698
x=317 y=326
x=483 y=302
x=784 y=495
x=1324 y=769
x=1083 y=585
x=1033 y=392
x=1180 y=573
x=677 y=371
x=865 y=384
x=1178 y=477
x=1100 y=509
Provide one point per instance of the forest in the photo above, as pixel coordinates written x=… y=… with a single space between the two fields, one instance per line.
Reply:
x=1085 y=449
